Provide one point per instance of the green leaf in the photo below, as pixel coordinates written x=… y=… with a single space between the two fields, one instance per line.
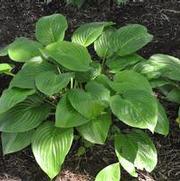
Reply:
x=103 y=45
x=136 y=150
x=4 y=51
x=50 y=29
x=98 y=91
x=130 y=38
x=117 y=63
x=162 y=126
x=11 y=97
x=51 y=83
x=86 y=34
x=67 y=116
x=5 y=68
x=85 y=103
x=70 y=55
x=130 y=80
x=160 y=65
x=136 y=108
x=174 y=95
x=104 y=80
x=23 y=49
x=96 y=131
x=156 y=83
x=50 y=146
x=25 y=78
x=13 y=142
x=92 y=73
x=24 y=116
x=109 y=173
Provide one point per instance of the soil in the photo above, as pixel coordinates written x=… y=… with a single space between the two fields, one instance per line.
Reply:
x=18 y=17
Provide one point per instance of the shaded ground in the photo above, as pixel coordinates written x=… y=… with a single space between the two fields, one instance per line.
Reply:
x=17 y=18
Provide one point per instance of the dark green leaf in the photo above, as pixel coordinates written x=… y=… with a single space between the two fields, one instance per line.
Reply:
x=136 y=108
x=130 y=80
x=86 y=34
x=11 y=97
x=23 y=49
x=162 y=126
x=50 y=146
x=129 y=39
x=85 y=103
x=160 y=65
x=50 y=29
x=70 y=55
x=25 y=78
x=96 y=131
x=50 y=83
x=92 y=73
x=174 y=95
x=103 y=44
x=136 y=150
x=67 y=116
x=118 y=63
x=98 y=91
x=109 y=173
x=13 y=142
x=24 y=116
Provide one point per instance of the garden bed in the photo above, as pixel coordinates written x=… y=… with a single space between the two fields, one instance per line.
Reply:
x=17 y=18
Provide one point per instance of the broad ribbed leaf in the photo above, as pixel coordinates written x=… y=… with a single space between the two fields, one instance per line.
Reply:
x=24 y=116
x=129 y=39
x=85 y=103
x=70 y=55
x=92 y=73
x=162 y=126
x=50 y=83
x=50 y=29
x=160 y=65
x=67 y=116
x=174 y=95
x=130 y=80
x=118 y=63
x=13 y=142
x=136 y=108
x=23 y=49
x=103 y=44
x=86 y=34
x=96 y=131
x=98 y=91
x=5 y=68
x=50 y=146
x=136 y=150
x=11 y=97
x=109 y=173
x=25 y=78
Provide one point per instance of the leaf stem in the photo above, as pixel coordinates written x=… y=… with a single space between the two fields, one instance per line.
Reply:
x=72 y=83
x=9 y=73
x=49 y=102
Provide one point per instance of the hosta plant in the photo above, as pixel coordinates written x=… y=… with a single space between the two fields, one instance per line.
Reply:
x=62 y=92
